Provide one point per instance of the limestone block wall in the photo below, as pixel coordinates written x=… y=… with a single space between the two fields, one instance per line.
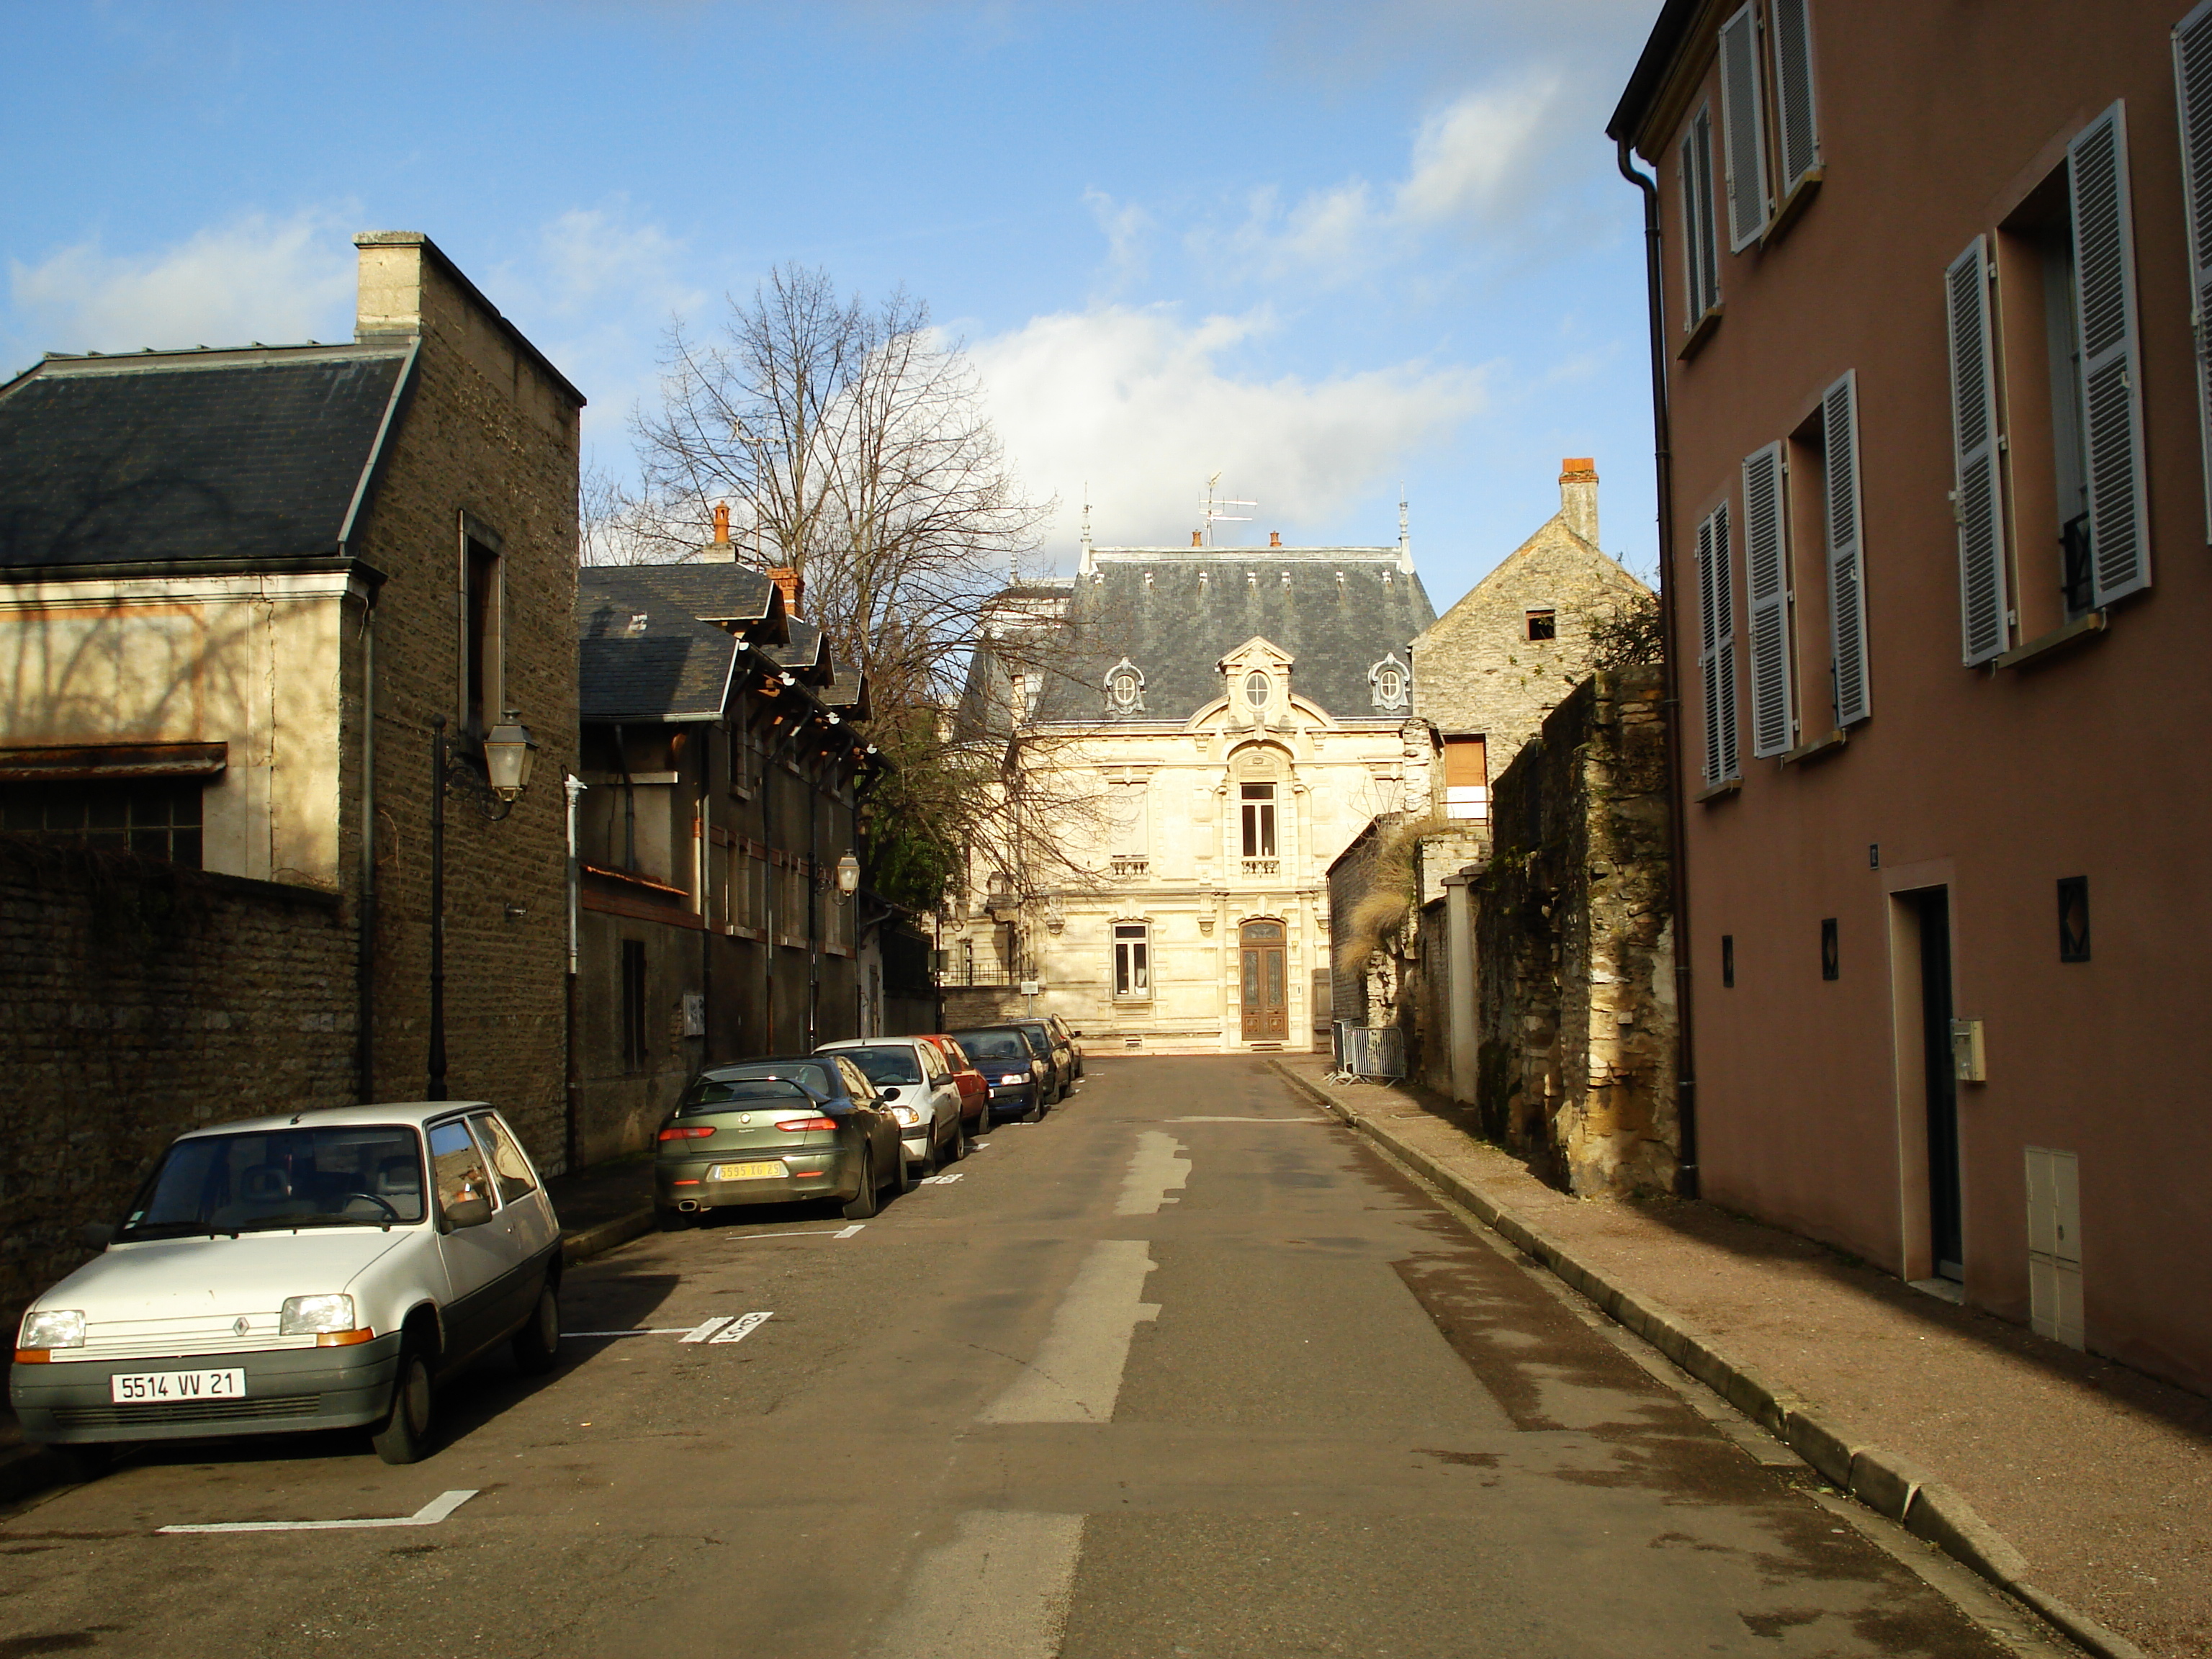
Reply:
x=1574 y=946
x=139 y=999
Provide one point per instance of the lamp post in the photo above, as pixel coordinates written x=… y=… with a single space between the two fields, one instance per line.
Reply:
x=508 y=750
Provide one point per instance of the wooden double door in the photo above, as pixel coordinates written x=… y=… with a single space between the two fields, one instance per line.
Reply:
x=1265 y=984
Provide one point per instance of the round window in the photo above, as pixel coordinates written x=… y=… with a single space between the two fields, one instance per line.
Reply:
x=1125 y=690
x=1389 y=685
x=1255 y=689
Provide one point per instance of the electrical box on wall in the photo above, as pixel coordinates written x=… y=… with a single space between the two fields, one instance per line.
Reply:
x=1968 y=1062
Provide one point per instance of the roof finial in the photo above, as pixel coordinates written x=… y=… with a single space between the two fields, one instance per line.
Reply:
x=1083 y=568
x=1405 y=534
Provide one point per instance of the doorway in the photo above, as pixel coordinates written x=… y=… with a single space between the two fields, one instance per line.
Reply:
x=1944 y=1211
x=1265 y=1002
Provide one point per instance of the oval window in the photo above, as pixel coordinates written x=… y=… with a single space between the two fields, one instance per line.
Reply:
x=1125 y=689
x=1255 y=689
x=1388 y=684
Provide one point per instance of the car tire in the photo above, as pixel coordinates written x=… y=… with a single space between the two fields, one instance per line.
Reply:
x=861 y=1206
x=405 y=1435
x=957 y=1147
x=1037 y=1107
x=911 y=1169
x=537 y=1344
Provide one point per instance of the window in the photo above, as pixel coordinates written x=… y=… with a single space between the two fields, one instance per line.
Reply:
x=1259 y=802
x=1701 y=258
x=1133 y=971
x=457 y=1167
x=1543 y=624
x=1256 y=689
x=1127 y=840
x=1743 y=136
x=1124 y=688
x=483 y=636
x=1766 y=586
x=1830 y=951
x=2193 y=76
x=2112 y=375
x=153 y=818
x=509 y=1166
x=1467 y=778
x=1839 y=429
x=745 y=760
x=1728 y=962
x=1717 y=645
x=633 y=1044
x=1976 y=493
x=2074 y=919
x=1797 y=129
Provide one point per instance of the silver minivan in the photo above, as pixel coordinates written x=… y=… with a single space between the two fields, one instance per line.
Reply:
x=321 y=1271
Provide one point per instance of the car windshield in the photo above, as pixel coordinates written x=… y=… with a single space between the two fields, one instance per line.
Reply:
x=886 y=1065
x=1040 y=1042
x=359 y=1176
x=783 y=1084
x=995 y=1045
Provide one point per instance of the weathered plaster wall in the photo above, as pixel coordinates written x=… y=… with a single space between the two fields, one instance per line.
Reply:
x=1574 y=946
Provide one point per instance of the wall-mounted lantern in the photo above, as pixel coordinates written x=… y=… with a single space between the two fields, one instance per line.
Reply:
x=848 y=875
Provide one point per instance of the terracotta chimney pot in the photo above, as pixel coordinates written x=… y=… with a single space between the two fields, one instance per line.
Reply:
x=721 y=522
x=792 y=583
x=1197 y=538
x=1274 y=539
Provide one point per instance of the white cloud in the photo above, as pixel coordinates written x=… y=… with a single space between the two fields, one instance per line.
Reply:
x=1126 y=228
x=1480 y=157
x=255 y=278
x=1136 y=403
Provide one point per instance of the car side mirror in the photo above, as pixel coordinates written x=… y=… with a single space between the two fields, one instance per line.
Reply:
x=889 y=1092
x=1079 y=1030
x=98 y=1235
x=468 y=1213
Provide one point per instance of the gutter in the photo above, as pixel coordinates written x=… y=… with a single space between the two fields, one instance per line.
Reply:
x=1686 y=1069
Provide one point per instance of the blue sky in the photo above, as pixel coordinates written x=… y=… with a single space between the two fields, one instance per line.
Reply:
x=1324 y=249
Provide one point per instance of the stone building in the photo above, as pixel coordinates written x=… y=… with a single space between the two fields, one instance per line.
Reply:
x=720 y=757
x=237 y=587
x=1211 y=725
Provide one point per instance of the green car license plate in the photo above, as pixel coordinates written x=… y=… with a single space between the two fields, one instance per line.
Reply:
x=768 y=1172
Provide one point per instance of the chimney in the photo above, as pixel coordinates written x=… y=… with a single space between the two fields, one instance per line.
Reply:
x=1578 y=497
x=720 y=550
x=1274 y=539
x=389 y=293
x=792 y=583
x=1197 y=538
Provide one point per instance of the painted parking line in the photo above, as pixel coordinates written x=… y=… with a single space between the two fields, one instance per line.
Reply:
x=650 y=1330
x=941 y=1180
x=811 y=1232
x=741 y=1328
x=428 y=1516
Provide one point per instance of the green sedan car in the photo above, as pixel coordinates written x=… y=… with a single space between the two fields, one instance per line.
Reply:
x=776 y=1132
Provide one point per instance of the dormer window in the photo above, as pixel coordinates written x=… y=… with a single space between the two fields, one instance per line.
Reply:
x=1388 y=679
x=1124 y=688
x=1256 y=689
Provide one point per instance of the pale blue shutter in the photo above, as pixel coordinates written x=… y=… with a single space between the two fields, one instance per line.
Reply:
x=2112 y=376
x=1743 y=136
x=1797 y=132
x=1717 y=637
x=1766 y=584
x=2192 y=78
x=1840 y=408
x=1976 y=498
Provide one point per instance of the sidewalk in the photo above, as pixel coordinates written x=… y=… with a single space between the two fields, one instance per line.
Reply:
x=2099 y=1477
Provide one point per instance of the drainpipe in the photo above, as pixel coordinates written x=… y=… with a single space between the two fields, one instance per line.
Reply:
x=706 y=847
x=1685 y=1078
x=813 y=906
x=365 y=915
x=573 y=1076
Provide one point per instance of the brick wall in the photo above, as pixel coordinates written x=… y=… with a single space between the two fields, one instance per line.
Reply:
x=1574 y=946
x=137 y=1000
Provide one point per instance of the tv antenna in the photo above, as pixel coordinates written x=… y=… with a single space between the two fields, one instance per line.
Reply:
x=1211 y=509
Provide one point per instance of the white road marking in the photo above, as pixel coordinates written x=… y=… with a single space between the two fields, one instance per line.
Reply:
x=1077 y=1375
x=997 y=1591
x=428 y=1516
x=978 y=1145
x=643 y=1330
x=846 y=1232
x=1157 y=1166
x=738 y=1329
x=1248 y=1120
x=811 y=1232
x=941 y=1180
x=701 y=1333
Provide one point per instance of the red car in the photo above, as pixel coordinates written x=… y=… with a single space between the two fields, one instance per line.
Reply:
x=974 y=1092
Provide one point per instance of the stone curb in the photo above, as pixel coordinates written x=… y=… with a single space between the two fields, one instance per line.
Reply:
x=28 y=1470
x=1890 y=1484
x=588 y=1242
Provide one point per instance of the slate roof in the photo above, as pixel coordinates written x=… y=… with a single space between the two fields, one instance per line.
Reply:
x=806 y=650
x=706 y=592
x=1341 y=610
x=253 y=456
x=640 y=657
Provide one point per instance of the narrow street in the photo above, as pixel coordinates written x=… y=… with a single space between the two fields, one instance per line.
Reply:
x=1183 y=1370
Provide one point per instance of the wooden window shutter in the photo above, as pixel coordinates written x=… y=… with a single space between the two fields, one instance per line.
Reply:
x=1839 y=413
x=2192 y=78
x=1766 y=583
x=1743 y=135
x=1797 y=129
x=2111 y=377
x=1701 y=256
x=1716 y=636
x=1976 y=499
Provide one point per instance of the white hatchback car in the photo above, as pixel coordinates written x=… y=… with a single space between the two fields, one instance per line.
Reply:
x=283 y=1274
x=916 y=1086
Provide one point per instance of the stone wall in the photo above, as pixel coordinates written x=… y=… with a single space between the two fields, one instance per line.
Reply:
x=139 y=999
x=1574 y=946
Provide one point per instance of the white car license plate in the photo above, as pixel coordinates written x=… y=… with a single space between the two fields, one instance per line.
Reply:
x=149 y=1388
x=746 y=1172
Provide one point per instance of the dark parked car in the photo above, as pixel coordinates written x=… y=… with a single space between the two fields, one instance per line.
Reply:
x=775 y=1131
x=1020 y=1079
x=1068 y=1035
x=1053 y=1051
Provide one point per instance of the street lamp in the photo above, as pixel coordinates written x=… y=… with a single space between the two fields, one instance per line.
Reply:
x=848 y=875
x=508 y=752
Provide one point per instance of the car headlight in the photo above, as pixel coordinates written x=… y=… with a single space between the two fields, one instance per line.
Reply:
x=310 y=1315
x=1013 y=1077
x=907 y=1116
x=55 y=1328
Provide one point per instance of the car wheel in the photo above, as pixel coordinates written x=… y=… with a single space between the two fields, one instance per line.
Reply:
x=911 y=1169
x=1036 y=1111
x=537 y=1344
x=405 y=1435
x=862 y=1205
x=957 y=1147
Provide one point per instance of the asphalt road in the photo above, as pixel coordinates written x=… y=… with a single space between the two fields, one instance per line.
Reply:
x=1184 y=1370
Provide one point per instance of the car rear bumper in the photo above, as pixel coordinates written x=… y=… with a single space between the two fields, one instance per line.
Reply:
x=829 y=1172
x=286 y=1392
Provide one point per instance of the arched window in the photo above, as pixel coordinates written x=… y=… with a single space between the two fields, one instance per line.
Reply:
x=1256 y=689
